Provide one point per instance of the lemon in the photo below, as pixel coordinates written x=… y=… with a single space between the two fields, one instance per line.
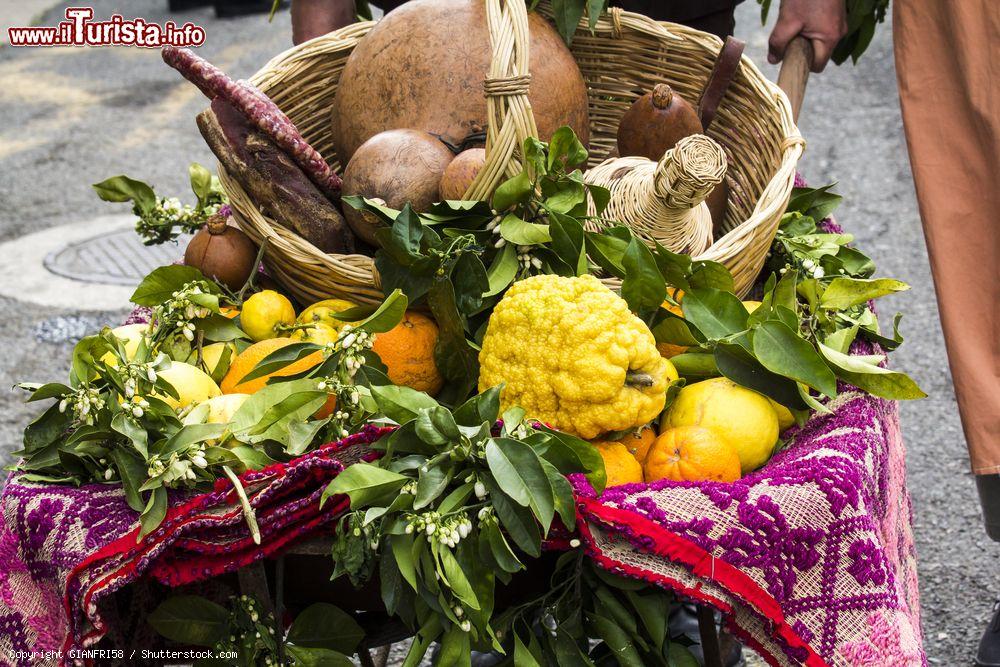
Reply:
x=323 y=312
x=751 y=305
x=263 y=314
x=132 y=335
x=215 y=359
x=318 y=333
x=672 y=373
x=192 y=385
x=785 y=417
x=740 y=416
x=217 y=410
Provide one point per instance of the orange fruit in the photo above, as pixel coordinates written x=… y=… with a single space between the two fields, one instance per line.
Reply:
x=691 y=454
x=637 y=442
x=407 y=350
x=246 y=360
x=619 y=464
x=229 y=311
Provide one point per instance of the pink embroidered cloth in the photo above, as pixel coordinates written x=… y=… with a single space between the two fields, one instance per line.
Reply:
x=811 y=558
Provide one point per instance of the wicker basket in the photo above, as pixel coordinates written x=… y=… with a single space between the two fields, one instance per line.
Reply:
x=626 y=56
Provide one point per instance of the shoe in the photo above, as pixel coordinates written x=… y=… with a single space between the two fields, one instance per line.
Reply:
x=988 y=654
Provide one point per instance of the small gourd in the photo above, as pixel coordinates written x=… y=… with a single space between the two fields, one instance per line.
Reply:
x=664 y=201
x=461 y=172
x=222 y=252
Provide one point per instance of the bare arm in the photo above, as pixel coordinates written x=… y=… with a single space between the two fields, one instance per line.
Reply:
x=822 y=22
x=312 y=18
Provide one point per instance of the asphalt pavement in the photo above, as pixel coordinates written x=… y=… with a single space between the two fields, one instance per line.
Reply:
x=74 y=116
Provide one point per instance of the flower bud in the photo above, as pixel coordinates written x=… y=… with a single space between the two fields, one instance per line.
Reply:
x=480 y=490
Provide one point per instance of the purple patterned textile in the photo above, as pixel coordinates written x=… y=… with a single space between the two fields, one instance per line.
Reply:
x=817 y=544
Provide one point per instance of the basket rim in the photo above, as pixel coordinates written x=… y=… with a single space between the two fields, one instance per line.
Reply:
x=771 y=201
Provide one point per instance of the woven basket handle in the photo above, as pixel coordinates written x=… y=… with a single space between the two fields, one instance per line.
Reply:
x=508 y=112
x=794 y=73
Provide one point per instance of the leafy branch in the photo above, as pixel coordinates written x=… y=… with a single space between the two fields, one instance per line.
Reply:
x=455 y=504
x=162 y=219
x=322 y=634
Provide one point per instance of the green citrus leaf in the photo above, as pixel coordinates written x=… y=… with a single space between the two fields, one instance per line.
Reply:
x=782 y=351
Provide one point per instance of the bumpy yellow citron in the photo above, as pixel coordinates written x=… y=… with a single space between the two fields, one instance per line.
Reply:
x=569 y=352
x=740 y=416
x=192 y=385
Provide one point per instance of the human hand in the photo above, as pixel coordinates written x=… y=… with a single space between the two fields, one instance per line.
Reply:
x=822 y=22
x=312 y=18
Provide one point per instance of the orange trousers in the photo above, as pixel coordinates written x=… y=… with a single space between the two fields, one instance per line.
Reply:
x=948 y=66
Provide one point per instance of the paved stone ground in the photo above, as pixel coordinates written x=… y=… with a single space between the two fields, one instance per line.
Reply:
x=75 y=116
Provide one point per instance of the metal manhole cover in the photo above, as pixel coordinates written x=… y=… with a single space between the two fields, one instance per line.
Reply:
x=114 y=258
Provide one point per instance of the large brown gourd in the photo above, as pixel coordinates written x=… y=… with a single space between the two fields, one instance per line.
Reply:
x=423 y=66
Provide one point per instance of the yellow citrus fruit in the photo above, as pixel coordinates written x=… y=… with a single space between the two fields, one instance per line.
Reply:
x=407 y=350
x=215 y=359
x=246 y=360
x=751 y=305
x=263 y=314
x=132 y=335
x=619 y=464
x=323 y=312
x=192 y=385
x=740 y=416
x=318 y=333
x=668 y=350
x=672 y=373
x=691 y=454
x=217 y=410
x=636 y=442
x=785 y=417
